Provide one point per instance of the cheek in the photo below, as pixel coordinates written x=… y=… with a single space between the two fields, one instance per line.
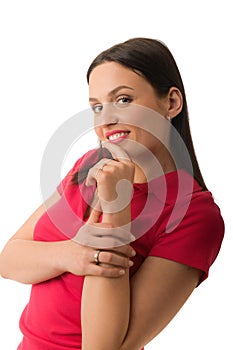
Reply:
x=149 y=140
x=143 y=135
x=99 y=132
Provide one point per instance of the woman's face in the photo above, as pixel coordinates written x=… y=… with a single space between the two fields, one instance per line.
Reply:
x=114 y=84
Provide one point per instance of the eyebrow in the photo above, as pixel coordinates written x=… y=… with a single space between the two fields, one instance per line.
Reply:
x=113 y=92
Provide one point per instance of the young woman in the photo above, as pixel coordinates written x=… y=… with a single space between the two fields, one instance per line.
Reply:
x=102 y=289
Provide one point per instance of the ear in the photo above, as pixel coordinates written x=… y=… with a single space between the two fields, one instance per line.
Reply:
x=175 y=99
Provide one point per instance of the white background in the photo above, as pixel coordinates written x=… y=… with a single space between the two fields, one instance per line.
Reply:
x=46 y=47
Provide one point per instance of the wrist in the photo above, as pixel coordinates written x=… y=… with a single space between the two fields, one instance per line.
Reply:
x=120 y=218
x=119 y=200
x=61 y=256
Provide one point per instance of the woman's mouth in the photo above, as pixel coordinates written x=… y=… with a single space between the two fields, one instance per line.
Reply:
x=117 y=135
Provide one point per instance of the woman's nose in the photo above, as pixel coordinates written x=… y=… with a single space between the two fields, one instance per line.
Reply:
x=108 y=114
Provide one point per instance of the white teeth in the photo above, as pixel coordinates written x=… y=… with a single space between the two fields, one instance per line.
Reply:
x=117 y=135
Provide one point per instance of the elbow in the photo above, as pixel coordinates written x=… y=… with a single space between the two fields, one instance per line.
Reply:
x=3 y=272
x=6 y=276
x=8 y=272
x=4 y=264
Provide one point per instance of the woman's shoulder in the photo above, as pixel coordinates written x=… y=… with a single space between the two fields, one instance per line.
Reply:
x=86 y=159
x=82 y=162
x=192 y=229
x=200 y=206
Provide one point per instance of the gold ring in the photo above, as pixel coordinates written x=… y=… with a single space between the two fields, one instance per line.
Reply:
x=96 y=257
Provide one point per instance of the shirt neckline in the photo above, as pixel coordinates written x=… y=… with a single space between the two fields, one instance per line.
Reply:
x=170 y=186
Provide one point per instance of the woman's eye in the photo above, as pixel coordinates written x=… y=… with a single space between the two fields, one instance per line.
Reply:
x=97 y=108
x=123 y=100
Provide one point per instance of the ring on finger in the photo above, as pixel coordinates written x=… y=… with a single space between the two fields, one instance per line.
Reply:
x=96 y=257
x=102 y=166
x=105 y=162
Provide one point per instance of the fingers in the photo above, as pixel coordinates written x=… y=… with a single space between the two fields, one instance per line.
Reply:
x=93 y=172
x=103 y=236
x=117 y=152
x=94 y=216
x=110 y=258
x=101 y=271
x=82 y=260
x=111 y=264
x=126 y=250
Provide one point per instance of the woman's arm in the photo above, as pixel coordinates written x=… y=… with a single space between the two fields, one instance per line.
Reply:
x=106 y=302
x=158 y=290
x=28 y=261
x=113 y=320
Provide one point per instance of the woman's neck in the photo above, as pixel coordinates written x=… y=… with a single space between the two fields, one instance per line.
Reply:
x=153 y=170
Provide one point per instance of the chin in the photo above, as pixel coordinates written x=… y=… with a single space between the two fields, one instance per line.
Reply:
x=136 y=149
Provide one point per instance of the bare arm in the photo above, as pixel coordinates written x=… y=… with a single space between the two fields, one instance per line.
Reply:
x=103 y=323
x=158 y=291
x=28 y=261
x=103 y=300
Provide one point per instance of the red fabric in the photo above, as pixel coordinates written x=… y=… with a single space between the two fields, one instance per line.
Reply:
x=179 y=224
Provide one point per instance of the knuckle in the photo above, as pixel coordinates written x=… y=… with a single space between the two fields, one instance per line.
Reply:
x=89 y=255
x=108 y=258
x=102 y=272
x=122 y=165
x=114 y=273
x=125 y=250
x=111 y=272
x=104 y=175
x=128 y=250
x=125 y=262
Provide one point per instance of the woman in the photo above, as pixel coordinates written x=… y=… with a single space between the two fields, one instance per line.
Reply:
x=121 y=296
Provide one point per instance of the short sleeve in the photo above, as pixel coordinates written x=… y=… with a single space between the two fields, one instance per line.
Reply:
x=68 y=178
x=84 y=162
x=197 y=239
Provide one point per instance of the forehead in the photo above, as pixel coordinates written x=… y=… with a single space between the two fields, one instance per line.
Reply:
x=109 y=75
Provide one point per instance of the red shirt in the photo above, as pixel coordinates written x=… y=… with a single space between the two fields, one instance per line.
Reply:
x=180 y=223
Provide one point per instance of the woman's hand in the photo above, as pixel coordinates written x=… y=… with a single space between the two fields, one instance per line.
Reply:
x=110 y=236
x=112 y=242
x=79 y=260
x=114 y=180
x=114 y=184
x=103 y=235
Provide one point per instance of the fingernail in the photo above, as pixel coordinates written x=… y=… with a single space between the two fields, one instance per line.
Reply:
x=121 y=272
x=133 y=253
x=131 y=263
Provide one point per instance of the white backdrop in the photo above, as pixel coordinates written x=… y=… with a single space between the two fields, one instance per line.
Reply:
x=46 y=47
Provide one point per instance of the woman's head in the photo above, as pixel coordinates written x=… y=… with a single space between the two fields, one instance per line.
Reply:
x=154 y=62
x=124 y=103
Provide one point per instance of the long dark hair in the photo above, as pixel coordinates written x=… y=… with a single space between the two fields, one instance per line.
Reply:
x=155 y=62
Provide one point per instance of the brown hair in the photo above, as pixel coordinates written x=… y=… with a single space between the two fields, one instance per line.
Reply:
x=155 y=62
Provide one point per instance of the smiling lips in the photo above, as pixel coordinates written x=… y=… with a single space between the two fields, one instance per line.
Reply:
x=117 y=135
